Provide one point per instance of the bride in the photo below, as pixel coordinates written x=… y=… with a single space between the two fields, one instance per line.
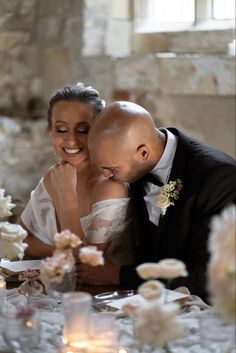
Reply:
x=73 y=194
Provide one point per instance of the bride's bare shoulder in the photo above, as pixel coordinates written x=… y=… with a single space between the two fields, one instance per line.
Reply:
x=108 y=189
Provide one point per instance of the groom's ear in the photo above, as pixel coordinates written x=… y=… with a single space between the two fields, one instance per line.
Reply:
x=142 y=152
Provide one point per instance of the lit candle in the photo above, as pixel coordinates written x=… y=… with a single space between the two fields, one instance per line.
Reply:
x=76 y=308
x=2 y=292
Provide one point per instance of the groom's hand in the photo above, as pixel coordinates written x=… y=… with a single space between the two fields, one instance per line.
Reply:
x=100 y=275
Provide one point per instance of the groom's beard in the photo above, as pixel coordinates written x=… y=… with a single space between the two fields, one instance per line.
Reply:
x=135 y=172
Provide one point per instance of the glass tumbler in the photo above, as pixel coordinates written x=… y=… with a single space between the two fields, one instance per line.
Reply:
x=22 y=332
x=77 y=312
x=103 y=333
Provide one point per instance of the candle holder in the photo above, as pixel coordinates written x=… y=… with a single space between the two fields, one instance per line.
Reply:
x=22 y=328
x=76 y=310
x=103 y=333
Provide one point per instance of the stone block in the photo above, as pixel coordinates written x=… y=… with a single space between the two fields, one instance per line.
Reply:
x=136 y=72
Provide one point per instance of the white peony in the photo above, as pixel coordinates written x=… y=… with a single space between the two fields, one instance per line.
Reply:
x=54 y=268
x=5 y=205
x=221 y=269
x=166 y=268
x=66 y=240
x=11 y=240
x=171 y=268
x=157 y=324
x=151 y=290
x=89 y=255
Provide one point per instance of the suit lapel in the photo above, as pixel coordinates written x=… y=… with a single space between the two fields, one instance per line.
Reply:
x=177 y=172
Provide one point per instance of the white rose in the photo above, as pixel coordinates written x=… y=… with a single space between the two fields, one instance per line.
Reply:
x=66 y=239
x=148 y=270
x=89 y=255
x=12 y=232
x=5 y=205
x=171 y=268
x=12 y=250
x=151 y=290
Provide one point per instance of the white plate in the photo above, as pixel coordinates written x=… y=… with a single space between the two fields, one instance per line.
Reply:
x=101 y=300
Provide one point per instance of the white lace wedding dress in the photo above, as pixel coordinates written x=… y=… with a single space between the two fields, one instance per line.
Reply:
x=109 y=220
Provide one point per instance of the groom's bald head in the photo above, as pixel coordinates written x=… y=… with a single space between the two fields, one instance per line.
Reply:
x=122 y=141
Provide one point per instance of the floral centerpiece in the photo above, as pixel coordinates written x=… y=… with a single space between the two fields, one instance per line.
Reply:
x=221 y=269
x=11 y=235
x=156 y=321
x=60 y=266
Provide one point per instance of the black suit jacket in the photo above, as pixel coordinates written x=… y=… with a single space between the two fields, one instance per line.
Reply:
x=208 y=178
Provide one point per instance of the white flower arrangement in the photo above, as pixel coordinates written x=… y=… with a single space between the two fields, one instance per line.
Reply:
x=11 y=235
x=169 y=193
x=54 y=268
x=156 y=322
x=221 y=268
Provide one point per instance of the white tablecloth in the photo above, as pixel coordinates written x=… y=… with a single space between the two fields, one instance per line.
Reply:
x=52 y=322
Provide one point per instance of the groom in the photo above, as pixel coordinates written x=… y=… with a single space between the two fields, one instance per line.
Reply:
x=177 y=184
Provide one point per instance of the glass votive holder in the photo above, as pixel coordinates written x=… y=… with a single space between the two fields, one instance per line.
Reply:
x=77 y=311
x=22 y=328
x=103 y=333
x=216 y=335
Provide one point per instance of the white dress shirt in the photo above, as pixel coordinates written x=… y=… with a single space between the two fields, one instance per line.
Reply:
x=162 y=171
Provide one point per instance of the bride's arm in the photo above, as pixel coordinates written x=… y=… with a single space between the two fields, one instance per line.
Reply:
x=61 y=185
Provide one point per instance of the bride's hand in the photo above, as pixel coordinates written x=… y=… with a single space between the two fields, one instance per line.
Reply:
x=64 y=178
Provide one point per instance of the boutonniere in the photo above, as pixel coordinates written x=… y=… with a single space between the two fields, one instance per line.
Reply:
x=168 y=194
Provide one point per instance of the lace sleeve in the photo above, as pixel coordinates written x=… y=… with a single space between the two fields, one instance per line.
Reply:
x=106 y=221
x=39 y=215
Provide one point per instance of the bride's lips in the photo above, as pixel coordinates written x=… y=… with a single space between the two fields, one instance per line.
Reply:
x=72 y=151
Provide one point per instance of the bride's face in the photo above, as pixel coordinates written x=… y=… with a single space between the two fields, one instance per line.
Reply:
x=71 y=122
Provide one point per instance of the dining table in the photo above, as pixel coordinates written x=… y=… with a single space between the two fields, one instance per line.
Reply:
x=193 y=310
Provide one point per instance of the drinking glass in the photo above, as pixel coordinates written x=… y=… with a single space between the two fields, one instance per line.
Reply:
x=217 y=336
x=103 y=333
x=22 y=330
x=77 y=311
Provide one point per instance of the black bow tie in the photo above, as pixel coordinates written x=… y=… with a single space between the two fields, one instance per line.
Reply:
x=151 y=179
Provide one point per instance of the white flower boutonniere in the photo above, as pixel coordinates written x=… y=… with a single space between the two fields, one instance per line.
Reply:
x=169 y=193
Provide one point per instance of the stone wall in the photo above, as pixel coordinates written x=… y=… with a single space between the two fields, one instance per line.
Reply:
x=184 y=79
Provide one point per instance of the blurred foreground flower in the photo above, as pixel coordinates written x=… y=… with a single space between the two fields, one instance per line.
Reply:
x=5 y=205
x=11 y=240
x=157 y=324
x=11 y=235
x=221 y=269
x=166 y=268
x=66 y=240
x=89 y=255
x=54 y=268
